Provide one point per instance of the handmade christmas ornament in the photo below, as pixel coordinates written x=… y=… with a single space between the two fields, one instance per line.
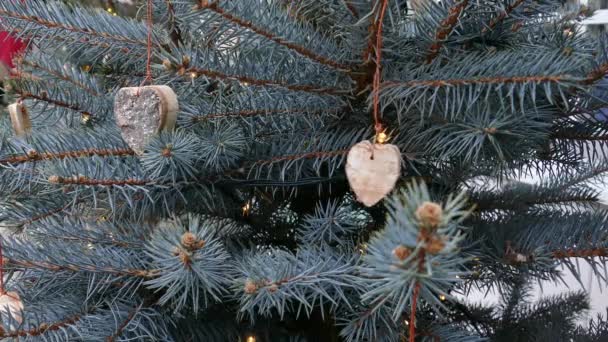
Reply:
x=142 y=112
x=372 y=170
x=11 y=303
x=20 y=119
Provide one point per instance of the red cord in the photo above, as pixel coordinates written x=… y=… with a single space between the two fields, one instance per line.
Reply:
x=149 y=47
x=378 y=74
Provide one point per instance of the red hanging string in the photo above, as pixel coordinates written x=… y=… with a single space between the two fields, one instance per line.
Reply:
x=149 y=43
x=378 y=127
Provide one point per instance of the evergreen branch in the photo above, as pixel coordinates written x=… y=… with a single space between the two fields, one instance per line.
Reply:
x=262 y=112
x=213 y=6
x=446 y=27
x=103 y=45
x=91 y=240
x=351 y=8
x=32 y=156
x=592 y=77
x=42 y=216
x=261 y=82
x=41 y=328
x=82 y=180
x=138 y=273
x=123 y=325
x=580 y=253
x=585 y=136
x=479 y=80
x=60 y=76
x=496 y=20
x=371 y=42
x=57 y=25
x=596 y=74
x=174 y=31
x=45 y=98
x=307 y=155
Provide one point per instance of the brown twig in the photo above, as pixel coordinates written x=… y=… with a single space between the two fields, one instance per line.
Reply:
x=413 y=312
x=41 y=329
x=82 y=180
x=496 y=20
x=35 y=156
x=591 y=78
x=421 y=256
x=258 y=82
x=262 y=112
x=445 y=28
x=74 y=268
x=56 y=25
x=62 y=77
x=580 y=253
x=175 y=33
x=123 y=325
x=45 y=98
x=351 y=8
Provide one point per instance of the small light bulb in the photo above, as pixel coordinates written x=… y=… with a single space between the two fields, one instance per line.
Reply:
x=110 y=10
x=251 y=339
x=246 y=209
x=442 y=298
x=193 y=75
x=85 y=118
x=382 y=137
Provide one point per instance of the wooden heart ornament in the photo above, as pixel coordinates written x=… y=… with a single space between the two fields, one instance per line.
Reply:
x=20 y=119
x=142 y=112
x=372 y=170
x=10 y=302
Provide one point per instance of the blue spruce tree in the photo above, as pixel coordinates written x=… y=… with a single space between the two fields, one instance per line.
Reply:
x=239 y=224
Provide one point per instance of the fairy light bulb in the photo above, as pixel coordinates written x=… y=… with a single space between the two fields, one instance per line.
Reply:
x=251 y=339
x=246 y=209
x=85 y=118
x=442 y=297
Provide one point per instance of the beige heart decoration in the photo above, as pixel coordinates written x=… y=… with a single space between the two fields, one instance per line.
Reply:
x=372 y=170
x=11 y=302
x=142 y=112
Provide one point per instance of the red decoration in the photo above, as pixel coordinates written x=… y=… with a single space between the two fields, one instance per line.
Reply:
x=9 y=48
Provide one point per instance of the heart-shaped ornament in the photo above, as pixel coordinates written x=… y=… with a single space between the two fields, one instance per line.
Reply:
x=372 y=170
x=10 y=302
x=142 y=112
x=20 y=119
